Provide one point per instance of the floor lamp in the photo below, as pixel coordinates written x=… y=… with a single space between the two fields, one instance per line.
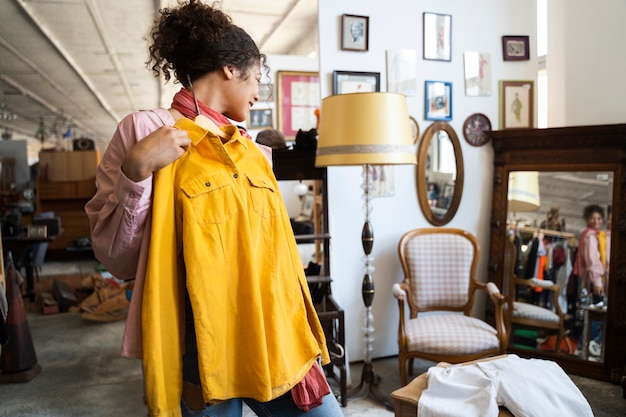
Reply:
x=365 y=129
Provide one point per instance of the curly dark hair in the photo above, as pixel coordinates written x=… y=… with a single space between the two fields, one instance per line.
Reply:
x=591 y=209
x=194 y=39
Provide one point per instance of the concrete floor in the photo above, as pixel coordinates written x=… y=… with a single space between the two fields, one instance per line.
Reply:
x=84 y=375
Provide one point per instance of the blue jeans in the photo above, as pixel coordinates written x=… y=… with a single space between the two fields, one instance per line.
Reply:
x=282 y=406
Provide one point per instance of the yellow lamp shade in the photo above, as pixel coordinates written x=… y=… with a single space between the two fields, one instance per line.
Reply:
x=523 y=192
x=365 y=128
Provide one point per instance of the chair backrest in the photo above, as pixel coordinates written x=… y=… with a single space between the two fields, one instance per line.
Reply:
x=439 y=267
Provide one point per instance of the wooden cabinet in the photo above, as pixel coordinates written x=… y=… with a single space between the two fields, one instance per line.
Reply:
x=66 y=181
x=300 y=165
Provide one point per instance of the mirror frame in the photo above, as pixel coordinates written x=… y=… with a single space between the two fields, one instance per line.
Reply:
x=583 y=148
x=422 y=193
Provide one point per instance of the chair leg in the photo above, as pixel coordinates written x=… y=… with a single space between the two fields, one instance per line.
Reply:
x=411 y=367
x=559 y=340
x=402 y=366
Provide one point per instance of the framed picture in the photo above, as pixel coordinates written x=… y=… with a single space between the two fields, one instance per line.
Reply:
x=516 y=104
x=355 y=32
x=477 y=71
x=306 y=209
x=260 y=119
x=438 y=104
x=298 y=96
x=437 y=36
x=402 y=71
x=355 y=82
x=515 y=48
x=266 y=92
x=37 y=231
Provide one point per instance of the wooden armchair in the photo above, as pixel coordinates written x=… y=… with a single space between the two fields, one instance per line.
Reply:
x=439 y=284
x=527 y=315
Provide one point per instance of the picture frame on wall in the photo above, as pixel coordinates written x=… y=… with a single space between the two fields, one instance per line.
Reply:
x=515 y=48
x=260 y=119
x=298 y=96
x=437 y=36
x=345 y=82
x=355 y=32
x=438 y=105
x=516 y=104
x=402 y=71
x=477 y=71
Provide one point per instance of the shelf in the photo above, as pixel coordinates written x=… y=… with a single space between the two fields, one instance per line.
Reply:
x=322 y=236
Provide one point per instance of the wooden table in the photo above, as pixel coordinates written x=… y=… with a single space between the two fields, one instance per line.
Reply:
x=24 y=251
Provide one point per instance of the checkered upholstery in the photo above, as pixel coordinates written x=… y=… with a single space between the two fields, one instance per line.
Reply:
x=450 y=334
x=439 y=266
x=533 y=312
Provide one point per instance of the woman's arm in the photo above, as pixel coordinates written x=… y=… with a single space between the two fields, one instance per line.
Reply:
x=118 y=211
x=595 y=270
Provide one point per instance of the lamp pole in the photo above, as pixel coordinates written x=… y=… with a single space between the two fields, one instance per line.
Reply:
x=369 y=380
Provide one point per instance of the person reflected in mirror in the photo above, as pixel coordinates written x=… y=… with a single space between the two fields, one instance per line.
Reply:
x=433 y=194
x=188 y=206
x=591 y=267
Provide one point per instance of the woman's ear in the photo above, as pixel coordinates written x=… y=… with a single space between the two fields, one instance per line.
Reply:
x=229 y=72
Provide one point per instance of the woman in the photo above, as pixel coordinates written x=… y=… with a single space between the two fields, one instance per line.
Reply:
x=591 y=257
x=220 y=312
x=591 y=267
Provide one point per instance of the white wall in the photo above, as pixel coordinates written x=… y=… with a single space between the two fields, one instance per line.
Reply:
x=397 y=24
x=594 y=61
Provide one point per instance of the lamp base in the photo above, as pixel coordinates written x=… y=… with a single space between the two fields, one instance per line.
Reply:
x=368 y=387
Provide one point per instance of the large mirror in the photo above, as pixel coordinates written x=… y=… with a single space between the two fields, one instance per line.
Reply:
x=559 y=223
x=439 y=173
x=551 y=187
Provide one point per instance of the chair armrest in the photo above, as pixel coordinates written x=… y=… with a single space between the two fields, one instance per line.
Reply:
x=494 y=292
x=545 y=284
x=498 y=300
x=400 y=295
x=398 y=292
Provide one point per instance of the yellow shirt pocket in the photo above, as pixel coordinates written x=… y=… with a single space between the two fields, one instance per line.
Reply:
x=264 y=198
x=213 y=198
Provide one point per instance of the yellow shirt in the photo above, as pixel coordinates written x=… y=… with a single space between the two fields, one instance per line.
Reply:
x=218 y=219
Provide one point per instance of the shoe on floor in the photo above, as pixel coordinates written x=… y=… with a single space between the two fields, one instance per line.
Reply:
x=595 y=348
x=112 y=309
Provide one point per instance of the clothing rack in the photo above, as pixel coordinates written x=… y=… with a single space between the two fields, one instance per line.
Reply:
x=547 y=232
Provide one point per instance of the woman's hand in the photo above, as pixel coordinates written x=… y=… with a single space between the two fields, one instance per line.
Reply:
x=158 y=149
x=598 y=290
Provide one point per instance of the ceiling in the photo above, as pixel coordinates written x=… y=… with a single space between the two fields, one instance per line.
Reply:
x=78 y=66
x=570 y=192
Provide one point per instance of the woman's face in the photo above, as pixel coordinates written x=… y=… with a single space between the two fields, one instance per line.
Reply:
x=243 y=93
x=595 y=220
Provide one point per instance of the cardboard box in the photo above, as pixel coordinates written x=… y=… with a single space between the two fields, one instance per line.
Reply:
x=68 y=166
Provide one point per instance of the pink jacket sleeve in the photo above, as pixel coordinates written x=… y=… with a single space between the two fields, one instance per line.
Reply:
x=119 y=209
x=595 y=271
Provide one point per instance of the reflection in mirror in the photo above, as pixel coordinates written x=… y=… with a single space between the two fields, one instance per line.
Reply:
x=439 y=173
x=559 y=224
x=304 y=211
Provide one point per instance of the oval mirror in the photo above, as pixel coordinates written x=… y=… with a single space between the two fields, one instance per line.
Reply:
x=439 y=173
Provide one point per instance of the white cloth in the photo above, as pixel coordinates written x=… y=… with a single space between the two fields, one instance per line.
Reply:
x=458 y=391
x=526 y=387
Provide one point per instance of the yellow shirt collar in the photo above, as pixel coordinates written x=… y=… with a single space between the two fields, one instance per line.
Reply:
x=197 y=132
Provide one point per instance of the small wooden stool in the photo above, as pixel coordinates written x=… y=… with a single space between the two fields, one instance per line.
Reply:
x=405 y=399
